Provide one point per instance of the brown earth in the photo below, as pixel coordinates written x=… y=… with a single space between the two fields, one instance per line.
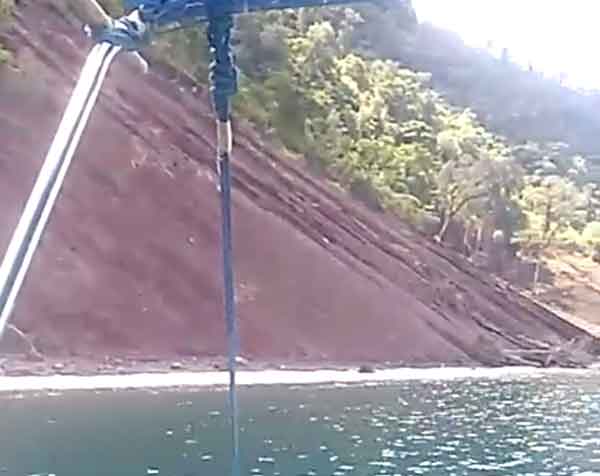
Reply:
x=573 y=289
x=130 y=262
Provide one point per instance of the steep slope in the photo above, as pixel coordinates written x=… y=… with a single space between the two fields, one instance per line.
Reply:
x=130 y=263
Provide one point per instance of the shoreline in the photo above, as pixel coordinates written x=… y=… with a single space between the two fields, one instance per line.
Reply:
x=217 y=379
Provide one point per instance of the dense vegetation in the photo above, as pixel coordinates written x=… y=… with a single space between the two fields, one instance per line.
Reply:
x=340 y=87
x=321 y=82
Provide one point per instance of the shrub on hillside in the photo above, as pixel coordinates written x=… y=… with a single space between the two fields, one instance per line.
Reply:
x=6 y=7
x=591 y=235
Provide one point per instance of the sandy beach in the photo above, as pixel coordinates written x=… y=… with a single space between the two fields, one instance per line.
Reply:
x=265 y=377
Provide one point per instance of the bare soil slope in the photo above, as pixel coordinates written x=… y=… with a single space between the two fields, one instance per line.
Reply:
x=130 y=263
x=574 y=290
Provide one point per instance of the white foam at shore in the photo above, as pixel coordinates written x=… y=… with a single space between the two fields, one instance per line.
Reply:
x=266 y=377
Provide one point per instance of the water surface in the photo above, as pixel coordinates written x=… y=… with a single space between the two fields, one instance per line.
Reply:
x=512 y=426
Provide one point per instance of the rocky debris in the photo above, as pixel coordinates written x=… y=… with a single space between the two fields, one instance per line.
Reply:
x=176 y=366
x=15 y=341
x=578 y=353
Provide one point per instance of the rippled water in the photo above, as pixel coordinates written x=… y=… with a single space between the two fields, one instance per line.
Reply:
x=545 y=426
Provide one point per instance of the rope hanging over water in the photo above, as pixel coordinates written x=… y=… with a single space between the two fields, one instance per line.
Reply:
x=223 y=77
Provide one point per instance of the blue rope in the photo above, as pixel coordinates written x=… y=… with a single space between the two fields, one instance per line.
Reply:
x=223 y=78
x=223 y=73
x=232 y=332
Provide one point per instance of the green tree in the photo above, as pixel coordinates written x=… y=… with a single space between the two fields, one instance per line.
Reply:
x=591 y=236
x=550 y=207
x=479 y=178
x=553 y=161
x=6 y=8
x=475 y=188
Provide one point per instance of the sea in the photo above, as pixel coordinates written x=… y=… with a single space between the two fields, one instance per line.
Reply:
x=527 y=424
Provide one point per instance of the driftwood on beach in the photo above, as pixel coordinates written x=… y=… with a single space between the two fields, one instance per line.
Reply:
x=579 y=353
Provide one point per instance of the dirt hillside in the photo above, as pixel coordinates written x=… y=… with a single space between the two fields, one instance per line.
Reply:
x=130 y=263
x=573 y=290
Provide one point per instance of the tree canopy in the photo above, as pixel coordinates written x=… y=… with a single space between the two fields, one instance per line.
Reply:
x=344 y=87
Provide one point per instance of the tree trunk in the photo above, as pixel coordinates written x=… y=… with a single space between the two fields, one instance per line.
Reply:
x=479 y=238
x=466 y=244
x=536 y=275
x=33 y=352
x=446 y=223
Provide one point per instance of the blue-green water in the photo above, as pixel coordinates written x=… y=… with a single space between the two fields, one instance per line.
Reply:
x=544 y=426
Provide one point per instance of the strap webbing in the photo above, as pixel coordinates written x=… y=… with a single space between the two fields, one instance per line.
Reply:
x=232 y=332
